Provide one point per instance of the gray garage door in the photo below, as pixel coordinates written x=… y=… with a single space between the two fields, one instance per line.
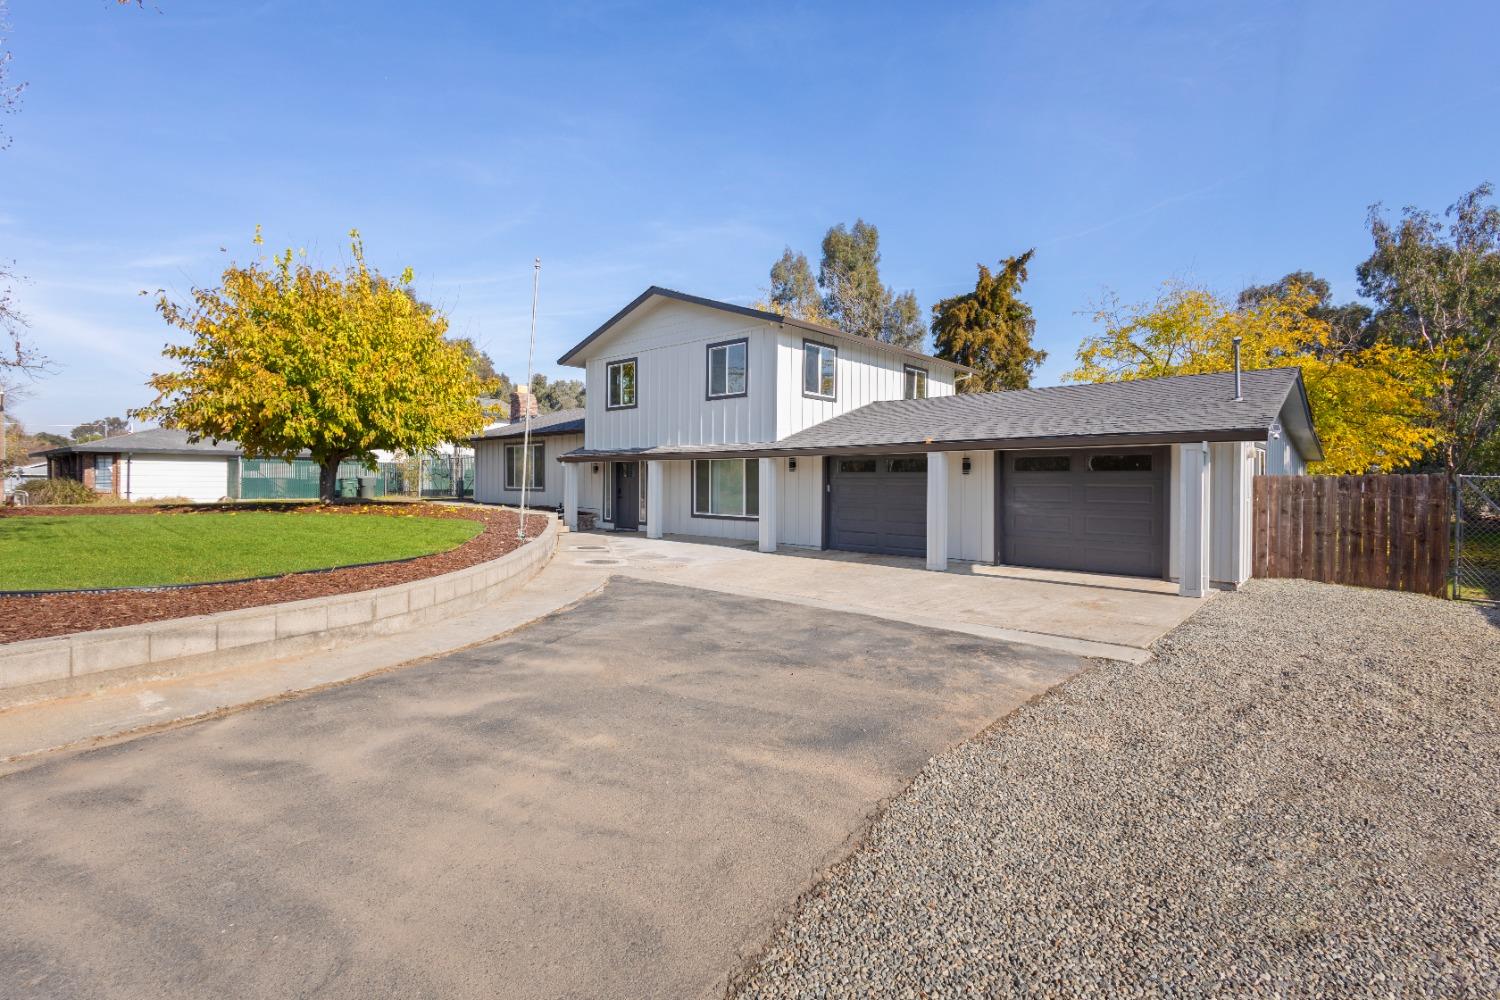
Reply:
x=878 y=503
x=1096 y=511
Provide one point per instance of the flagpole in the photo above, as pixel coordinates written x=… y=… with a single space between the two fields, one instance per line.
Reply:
x=536 y=278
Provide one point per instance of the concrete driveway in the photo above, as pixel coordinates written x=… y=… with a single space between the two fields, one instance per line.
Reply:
x=617 y=801
x=1092 y=614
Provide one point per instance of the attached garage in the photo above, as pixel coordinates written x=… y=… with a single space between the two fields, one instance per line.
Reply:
x=878 y=503
x=1100 y=511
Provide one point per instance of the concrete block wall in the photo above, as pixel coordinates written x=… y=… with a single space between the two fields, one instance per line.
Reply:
x=36 y=669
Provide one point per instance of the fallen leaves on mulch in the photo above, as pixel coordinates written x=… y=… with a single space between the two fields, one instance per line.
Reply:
x=57 y=614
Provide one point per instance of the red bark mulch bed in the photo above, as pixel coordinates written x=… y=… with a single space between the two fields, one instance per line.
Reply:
x=57 y=614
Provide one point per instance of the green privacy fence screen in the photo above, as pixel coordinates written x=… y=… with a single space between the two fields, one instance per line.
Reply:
x=275 y=479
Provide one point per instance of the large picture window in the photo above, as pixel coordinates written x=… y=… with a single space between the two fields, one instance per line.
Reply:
x=916 y=382
x=534 y=472
x=726 y=487
x=728 y=369
x=619 y=377
x=820 y=366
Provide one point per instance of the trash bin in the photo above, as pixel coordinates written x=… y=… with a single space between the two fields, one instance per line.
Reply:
x=367 y=485
x=348 y=488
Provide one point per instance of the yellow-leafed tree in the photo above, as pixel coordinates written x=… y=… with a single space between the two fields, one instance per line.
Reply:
x=285 y=359
x=1371 y=406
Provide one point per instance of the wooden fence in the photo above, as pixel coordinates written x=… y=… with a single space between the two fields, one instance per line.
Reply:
x=1390 y=532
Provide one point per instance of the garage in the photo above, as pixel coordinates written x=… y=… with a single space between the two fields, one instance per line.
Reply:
x=1100 y=511
x=878 y=503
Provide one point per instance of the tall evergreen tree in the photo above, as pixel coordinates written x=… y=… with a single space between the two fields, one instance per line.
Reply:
x=903 y=322
x=990 y=329
x=794 y=291
x=854 y=300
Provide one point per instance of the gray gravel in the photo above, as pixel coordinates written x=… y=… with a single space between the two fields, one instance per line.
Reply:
x=1300 y=796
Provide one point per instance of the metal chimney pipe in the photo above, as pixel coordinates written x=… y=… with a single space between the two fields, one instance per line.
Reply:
x=1239 y=395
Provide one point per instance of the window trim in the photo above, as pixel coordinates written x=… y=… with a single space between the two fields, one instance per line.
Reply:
x=539 y=466
x=834 y=396
x=708 y=370
x=608 y=366
x=693 y=498
x=908 y=369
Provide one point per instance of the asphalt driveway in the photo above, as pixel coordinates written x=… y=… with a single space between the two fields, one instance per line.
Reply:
x=618 y=801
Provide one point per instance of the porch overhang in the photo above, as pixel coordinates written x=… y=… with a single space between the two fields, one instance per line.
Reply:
x=773 y=449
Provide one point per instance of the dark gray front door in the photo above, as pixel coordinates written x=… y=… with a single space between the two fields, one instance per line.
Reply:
x=878 y=503
x=1094 y=511
x=627 y=496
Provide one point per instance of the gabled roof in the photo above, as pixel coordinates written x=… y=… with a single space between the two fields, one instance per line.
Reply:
x=560 y=422
x=1141 y=412
x=819 y=329
x=156 y=440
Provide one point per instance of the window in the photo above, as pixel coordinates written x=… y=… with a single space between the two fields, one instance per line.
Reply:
x=728 y=369
x=534 y=472
x=916 y=382
x=1044 y=463
x=1120 y=463
x=916 y=463
x=820 y=364
x=609 y=493
x=104 y=473
x=726 y=487
x=856 y=465
x=619 y=376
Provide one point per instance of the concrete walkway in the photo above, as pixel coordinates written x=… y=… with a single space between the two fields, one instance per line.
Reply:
x=1081 y=614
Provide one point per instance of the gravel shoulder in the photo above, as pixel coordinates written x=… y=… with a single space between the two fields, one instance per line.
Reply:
x=1299 y=796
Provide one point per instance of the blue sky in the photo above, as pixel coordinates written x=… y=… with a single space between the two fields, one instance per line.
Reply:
x=636 y=144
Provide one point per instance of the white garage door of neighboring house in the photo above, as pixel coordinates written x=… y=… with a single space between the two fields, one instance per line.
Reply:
x=1093 y=511
x=200 y=479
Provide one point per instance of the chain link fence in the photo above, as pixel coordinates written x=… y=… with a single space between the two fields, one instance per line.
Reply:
x=1476 y=545
x=424 y=476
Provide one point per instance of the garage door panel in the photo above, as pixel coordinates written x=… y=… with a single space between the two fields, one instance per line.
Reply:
x=1090 y=519
x=875 y=509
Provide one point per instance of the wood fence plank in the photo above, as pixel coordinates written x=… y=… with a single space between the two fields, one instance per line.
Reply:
x=1369 y=525
x=1392 y=522
x=1348 y=532
x=1288 y=532
x=1259 y=563
x=1329 y=486
x=1305 y=546
x=1442 y=520
x=1421 y=549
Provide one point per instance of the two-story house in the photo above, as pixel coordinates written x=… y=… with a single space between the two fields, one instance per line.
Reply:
x=710 y=419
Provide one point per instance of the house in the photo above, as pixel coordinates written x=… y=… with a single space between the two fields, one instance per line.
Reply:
x=153 y=463
x=704 y=418
x=498 y=467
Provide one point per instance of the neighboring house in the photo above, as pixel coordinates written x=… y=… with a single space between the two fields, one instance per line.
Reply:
x=498 y=471
x=148 y=464
x=706 y=418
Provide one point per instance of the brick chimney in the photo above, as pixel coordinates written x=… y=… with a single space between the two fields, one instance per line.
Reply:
x=522 y=402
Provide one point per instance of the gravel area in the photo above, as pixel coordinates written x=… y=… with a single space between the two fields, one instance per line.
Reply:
x=1299 y=797
x=37 y=616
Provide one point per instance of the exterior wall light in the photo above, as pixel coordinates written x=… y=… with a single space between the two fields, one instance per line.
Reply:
x=791 y=465
x=967 y=465
x=596 y=468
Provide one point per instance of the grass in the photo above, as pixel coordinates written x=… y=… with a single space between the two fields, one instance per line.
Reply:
x=125 y=550
x=1482 y=562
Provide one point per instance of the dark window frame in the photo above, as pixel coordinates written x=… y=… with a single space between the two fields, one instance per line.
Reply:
x=1126 y=458
x=609 y=385
x=539 y=465
x=693 y=499
x=829 y=398
x=708 y=369
x=907 y=370
x=1020 y=469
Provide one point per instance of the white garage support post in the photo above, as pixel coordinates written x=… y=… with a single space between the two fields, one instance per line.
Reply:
x=1193 y=507
x=654 y=499
x=571 y=472
x=937 y=510
x=769 y=508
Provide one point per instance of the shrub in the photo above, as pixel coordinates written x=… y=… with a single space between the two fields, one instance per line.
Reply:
x=47 y=492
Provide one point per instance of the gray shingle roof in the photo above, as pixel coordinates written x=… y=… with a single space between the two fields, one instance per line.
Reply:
x=1155 y=411
x=560 y=422
x=157 y=440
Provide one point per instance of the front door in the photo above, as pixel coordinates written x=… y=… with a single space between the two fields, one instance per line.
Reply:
x=627 y=496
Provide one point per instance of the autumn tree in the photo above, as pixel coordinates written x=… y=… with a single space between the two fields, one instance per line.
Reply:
x=1436 y=286
x=1370 y=406
x=990 y=329
x=285 y=358
x=1348 y=324
x=794 y=290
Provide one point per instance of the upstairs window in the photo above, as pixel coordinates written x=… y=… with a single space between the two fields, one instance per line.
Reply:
x=916 y=382
x=728 y=369
x=820 y=364
x=620 y=378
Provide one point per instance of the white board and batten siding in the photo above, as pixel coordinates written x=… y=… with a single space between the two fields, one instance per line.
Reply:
x=865 y=374
x=199 y=478
x=489 y=470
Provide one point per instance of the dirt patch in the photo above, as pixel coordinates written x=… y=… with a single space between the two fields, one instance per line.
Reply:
x=58 y=614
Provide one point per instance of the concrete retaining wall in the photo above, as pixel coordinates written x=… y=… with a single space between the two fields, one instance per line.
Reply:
x=35 y=669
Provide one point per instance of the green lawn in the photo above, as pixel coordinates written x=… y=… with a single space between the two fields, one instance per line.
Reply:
x=128 y=550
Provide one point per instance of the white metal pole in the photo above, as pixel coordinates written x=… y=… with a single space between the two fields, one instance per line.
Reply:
x=536 y=277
